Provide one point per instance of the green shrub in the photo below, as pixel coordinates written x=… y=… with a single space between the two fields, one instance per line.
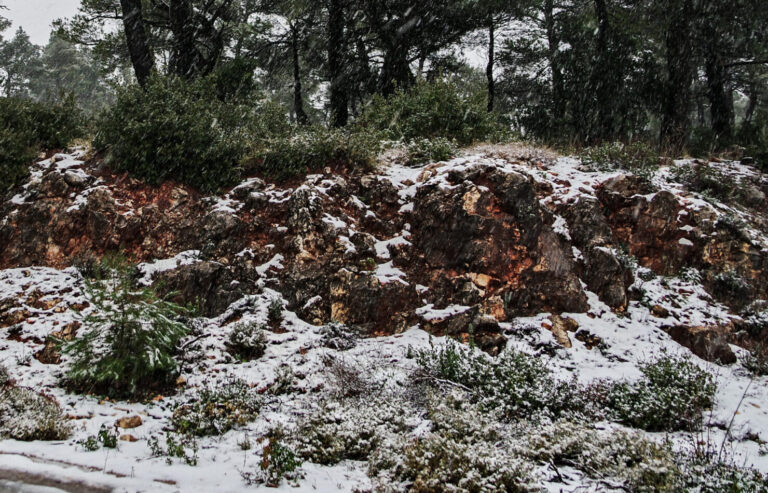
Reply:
x=671 y=396
x=278 y=462
x=27 y=127
x=519 y=385
x=429 y=110
x=421 y=151
x=247 y=341
x=714 y=475
x=285 y=156
x=708 y=181
x=218 y=410
x=27 y=416
x=351 y=429
x=105 y=438
x=127 y=344
x=637 y=157
x=176 y=130
x=465 y=451
x=182 y=447
x=636 y=463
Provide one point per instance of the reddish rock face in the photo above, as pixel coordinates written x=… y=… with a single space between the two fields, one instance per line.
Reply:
x=488 y=226
x=475 y=236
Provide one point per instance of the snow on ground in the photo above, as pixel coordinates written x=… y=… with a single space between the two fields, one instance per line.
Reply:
x=629 y=340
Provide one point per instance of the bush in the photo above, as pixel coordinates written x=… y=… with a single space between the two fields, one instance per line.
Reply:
x=519 y=385
x=128 y=343
x=350 y=430
x=26 y=415
x=176 y=130
x=216 y=411
x=278 y=462
x=28 y=126
x=105 y=438
x=429 y=110
x=339 y=336
x=708 y=181
x=285 y=156
x=671 y=396
x=635 y=462
x=422 y=151
x=182 y=447
x=637 y=157
x=464 y=452
x=247 y=341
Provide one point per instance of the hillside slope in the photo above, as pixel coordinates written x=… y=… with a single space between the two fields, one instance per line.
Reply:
x=595 y=273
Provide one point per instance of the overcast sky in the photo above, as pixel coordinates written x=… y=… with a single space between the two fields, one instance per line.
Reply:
x=35 y=16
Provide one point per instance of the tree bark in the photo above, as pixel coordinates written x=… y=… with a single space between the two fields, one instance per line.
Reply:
x=603 y=75
x=183 y=52
x=136 y=37
x=491 y=62
x=553 y=42
x=298 y=98
x=680 y=71
x=339 y=97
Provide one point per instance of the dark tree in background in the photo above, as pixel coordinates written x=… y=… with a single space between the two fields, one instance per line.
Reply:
x=136 y=39
x=684 y=74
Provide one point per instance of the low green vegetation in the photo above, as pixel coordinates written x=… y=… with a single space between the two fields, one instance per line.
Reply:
x=285 y=156
x=421 y=151
x=247 y=341
x=215 y=411
x=128 y=342
x=429 y=110
x=27 y=415
x=174 y=130
x=516 y=384
x=26 y=128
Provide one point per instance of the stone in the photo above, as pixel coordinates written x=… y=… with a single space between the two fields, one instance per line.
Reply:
x=560 y=330
x=128 y=423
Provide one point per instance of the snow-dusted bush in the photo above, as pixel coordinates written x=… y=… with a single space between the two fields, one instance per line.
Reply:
x=278 y=462
x=716 y=475
x=247 y=341
x=637 y=157
x=176 y=446
x=464 y=451
x=175 y=130
x=338 y=336
x=27 y=127
x=26 y=415
x=285 y=156
x=127 y=344
x=423 y=151
x=672 y=395
x=432 y=109
x=517 y=384
x=352 y=429
x=217 y=410
x=625 y=458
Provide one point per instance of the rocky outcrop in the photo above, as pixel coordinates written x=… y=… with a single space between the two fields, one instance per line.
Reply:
x=488 y=236
x=488 y=226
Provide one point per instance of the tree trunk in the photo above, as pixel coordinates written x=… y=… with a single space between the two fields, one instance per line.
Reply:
x=298 y=99
x=754 y=97
x=183 y=52
x=553 y=42
x=719 y=107
x=395 y=72
x=603 y=76
x=136 y=38
x=339 y=97
x=680 y=72
x=491 y=62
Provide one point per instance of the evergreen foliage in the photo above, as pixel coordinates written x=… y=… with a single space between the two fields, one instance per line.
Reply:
x=127 y=345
